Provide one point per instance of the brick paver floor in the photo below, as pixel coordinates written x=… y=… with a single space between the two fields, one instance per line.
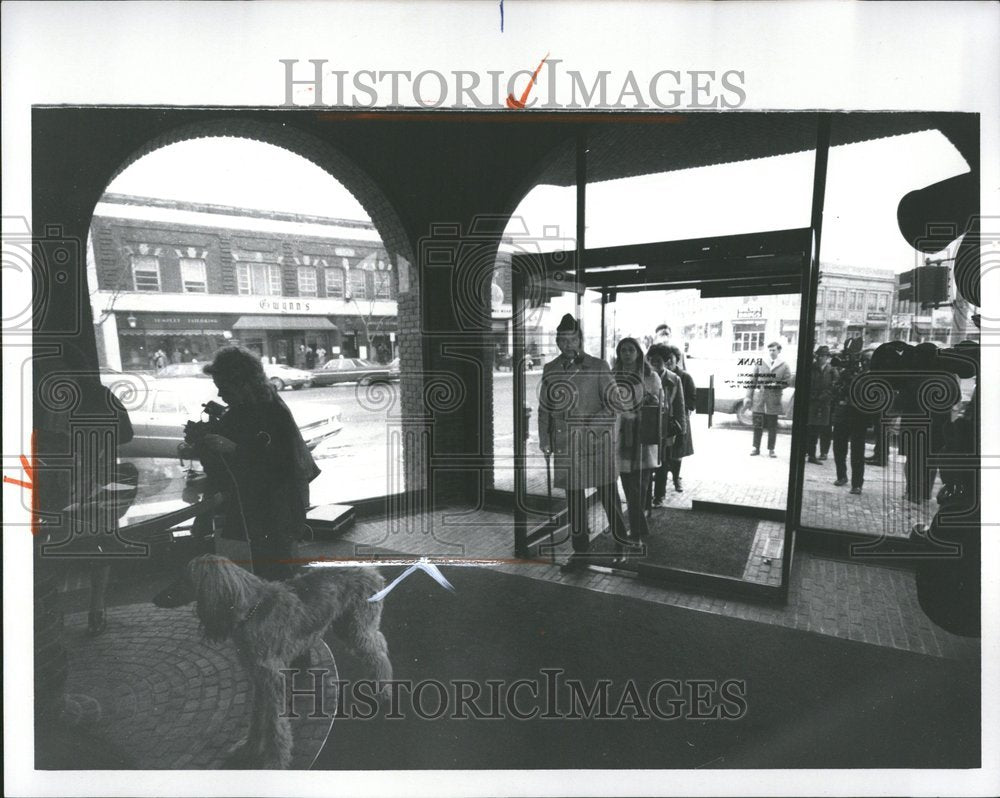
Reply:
x=855 y=600
x=155 y=689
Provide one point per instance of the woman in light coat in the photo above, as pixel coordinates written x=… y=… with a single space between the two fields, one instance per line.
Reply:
x=637 y=384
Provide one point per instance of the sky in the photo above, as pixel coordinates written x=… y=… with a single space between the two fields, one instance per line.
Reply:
x=865 y=182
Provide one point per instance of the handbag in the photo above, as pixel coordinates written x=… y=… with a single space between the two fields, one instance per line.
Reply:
x=650 y=423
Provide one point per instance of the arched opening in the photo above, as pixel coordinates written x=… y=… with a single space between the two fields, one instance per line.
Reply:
x=257 y=235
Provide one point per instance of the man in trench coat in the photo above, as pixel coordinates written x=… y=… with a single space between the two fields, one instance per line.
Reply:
x=576 y=424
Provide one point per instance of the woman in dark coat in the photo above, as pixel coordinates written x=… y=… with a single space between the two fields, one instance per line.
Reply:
x=684 y=447
x=258 y=454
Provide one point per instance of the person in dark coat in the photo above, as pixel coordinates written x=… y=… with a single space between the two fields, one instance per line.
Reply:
x=821 y=386
x=258 y=454
x=684 y=445
x=673 y=411
x=850 y=426
x=576 y=425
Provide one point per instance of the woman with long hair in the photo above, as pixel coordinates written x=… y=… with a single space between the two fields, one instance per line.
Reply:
x=637 y=385
x=257 y=452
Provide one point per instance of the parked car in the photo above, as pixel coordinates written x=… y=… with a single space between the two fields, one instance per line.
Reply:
x=281 y=376
x=158 y=410
x=353 y=369
x=278 y=374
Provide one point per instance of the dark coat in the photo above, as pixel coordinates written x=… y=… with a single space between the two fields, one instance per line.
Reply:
x=576 y=420
x=686 y=446
x=674 y=408
x=821 y=395
x=271 y=469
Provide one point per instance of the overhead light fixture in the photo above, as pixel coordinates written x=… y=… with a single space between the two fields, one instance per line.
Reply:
x=132 y=321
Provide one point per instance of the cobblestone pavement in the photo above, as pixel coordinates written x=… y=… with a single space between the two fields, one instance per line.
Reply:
x=155 y=689
x=855 y=600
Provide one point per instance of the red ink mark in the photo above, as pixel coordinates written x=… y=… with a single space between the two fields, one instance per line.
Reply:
x=30 y=471
x=516 y=105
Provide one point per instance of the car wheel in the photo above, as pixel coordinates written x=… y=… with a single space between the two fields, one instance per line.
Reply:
x=744 y=414
x=277 y=383
x=298 y=387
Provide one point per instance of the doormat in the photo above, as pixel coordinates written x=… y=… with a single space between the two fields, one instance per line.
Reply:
x=710 y=543
x=690 y=540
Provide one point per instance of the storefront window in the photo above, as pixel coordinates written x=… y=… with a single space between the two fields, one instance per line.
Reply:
x=863 y=254
x=221 y=280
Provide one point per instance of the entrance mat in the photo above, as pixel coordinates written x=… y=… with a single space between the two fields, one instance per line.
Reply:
x=811 y=701
x=711 y=543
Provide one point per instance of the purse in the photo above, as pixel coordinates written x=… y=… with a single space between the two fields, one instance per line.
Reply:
x=650 y=423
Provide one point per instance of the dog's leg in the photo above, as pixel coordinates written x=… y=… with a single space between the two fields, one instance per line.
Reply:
x=274 y=745
x=269 y=742
x=360 y=631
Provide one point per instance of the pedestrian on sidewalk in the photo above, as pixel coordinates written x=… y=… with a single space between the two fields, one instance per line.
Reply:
x=824 y=377
x=767 y=383
x=850 y=426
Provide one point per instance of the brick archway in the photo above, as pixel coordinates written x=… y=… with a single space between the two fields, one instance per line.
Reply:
x=387 y=222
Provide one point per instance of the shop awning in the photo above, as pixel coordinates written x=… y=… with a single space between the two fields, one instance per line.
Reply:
x=284 y=323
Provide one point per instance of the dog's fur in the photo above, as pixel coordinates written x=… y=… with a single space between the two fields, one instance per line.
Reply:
x=272 y=623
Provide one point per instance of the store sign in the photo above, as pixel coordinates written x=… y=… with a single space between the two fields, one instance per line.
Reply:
x=877 y=315
x=285 y=305
x=158 y=321
x=750 y=312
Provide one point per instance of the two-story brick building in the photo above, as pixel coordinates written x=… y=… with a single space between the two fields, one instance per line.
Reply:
x=854 y=301
x=186 y=278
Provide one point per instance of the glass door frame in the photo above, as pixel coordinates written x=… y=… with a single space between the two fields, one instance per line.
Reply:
x=759 y=263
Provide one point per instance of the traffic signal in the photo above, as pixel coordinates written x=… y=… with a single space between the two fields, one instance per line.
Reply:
x=925 y=284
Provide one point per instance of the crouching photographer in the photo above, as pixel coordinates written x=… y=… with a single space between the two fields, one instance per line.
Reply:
x=255 y=453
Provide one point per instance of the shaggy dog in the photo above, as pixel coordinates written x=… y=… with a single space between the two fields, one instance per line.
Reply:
x=273 y=623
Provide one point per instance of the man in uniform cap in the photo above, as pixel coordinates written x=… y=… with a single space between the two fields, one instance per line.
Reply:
x=576 y=423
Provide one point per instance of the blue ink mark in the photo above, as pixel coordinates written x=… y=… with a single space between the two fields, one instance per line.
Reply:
x=501 y=16
x=421 y=565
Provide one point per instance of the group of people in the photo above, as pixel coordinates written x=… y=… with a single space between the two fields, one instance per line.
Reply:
x=159 y=359
x=309 y=357
x=835 y=418
x=599 y=424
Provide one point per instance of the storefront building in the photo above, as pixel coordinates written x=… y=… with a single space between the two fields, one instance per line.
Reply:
x=178 y=280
